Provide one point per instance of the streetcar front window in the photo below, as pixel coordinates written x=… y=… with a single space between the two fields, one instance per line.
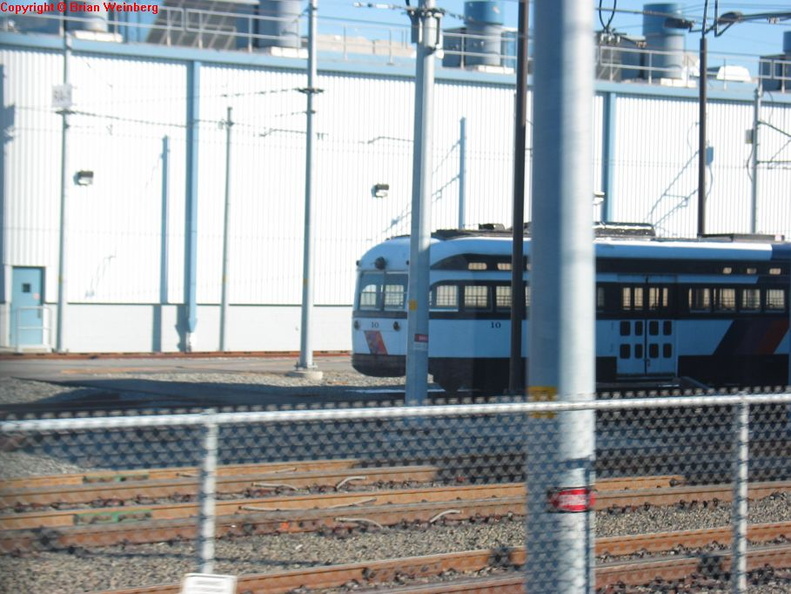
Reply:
x=369 y=292
x=394 y=295
x=381 y=291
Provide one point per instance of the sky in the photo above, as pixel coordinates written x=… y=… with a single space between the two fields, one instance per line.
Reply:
x=754 y=39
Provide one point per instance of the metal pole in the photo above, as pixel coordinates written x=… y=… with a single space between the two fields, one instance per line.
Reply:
x=305 y=366
x=159 y=308
x=516 y=369
x=754 y=160
x=425 y=30
x=462 y=173
x=608 y=154
x=208 y=488
x=741 y=430
x=702 y=99
x=61 y=327
x=191 y=208
x=560 y=467
x=163 y=267
x=226 y=236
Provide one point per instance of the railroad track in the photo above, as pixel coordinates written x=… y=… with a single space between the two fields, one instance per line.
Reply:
x=710 y=565
x=339 y=496
x=148 y=506
x=343 y=497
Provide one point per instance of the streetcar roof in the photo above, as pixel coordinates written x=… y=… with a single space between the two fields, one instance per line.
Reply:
x=396 y=251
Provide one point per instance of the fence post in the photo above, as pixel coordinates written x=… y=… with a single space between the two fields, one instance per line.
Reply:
x=741 y=457
x=208 y=496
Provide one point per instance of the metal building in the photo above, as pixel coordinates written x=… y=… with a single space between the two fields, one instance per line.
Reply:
x=146 y=97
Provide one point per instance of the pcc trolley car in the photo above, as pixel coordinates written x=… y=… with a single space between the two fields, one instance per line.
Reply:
x=713 y=310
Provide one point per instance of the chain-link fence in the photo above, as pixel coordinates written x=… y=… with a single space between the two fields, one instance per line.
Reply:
x=387 y=497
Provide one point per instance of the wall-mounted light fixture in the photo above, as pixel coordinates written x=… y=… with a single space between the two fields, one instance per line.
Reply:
x=380 y=190
x=83 y=178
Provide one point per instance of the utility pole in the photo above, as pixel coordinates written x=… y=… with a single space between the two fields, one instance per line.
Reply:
x=306 y=367
x=561 y=446
x=426 y=33
x=702 y=101
x=516 y=384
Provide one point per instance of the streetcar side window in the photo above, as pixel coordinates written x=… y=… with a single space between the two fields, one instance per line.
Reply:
x=502 y=297
x=658 y=298
x=700 y=299
x=724 y=299
x=775 y=300
x=476 y=297
x=632 y=298
x=751 y=300
x=445 y=297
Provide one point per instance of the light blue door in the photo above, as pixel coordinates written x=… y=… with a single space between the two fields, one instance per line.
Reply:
x=27 y=311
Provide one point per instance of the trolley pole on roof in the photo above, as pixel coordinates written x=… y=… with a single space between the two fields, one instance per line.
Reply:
x=562 y=348
x=426 y=34
x=306 y=367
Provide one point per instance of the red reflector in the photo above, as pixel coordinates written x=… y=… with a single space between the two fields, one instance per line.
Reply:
x=577 y=499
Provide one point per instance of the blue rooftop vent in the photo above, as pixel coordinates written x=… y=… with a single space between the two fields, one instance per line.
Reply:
x=664 y=40
x=483 y=44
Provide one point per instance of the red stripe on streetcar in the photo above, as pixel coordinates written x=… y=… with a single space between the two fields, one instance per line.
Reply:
x=376 y=344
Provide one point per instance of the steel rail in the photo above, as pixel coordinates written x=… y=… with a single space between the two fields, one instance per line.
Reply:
x=371 y=573
x=125 y=476
x=145 y=529
x=66 y=517
x=86 y=493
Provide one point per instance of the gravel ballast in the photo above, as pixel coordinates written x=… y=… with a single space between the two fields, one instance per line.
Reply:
x=79 y=570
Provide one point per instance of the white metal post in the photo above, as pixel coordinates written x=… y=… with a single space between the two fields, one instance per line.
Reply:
x=226 y=236
x=306 y=367
x=426 y=32
x=61 y=326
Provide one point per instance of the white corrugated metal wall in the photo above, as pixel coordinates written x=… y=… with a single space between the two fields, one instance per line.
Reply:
x=126 y=105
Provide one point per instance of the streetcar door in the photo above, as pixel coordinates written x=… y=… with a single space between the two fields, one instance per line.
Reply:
x=646 y=331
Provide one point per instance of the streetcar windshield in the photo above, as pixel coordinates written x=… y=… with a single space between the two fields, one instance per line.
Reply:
x=381 y=291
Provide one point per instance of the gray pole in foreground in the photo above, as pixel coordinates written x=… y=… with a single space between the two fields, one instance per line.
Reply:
x=562 y=347
x=226 y=233
x=60 y=333
x=306 y=367
x=425 y=33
